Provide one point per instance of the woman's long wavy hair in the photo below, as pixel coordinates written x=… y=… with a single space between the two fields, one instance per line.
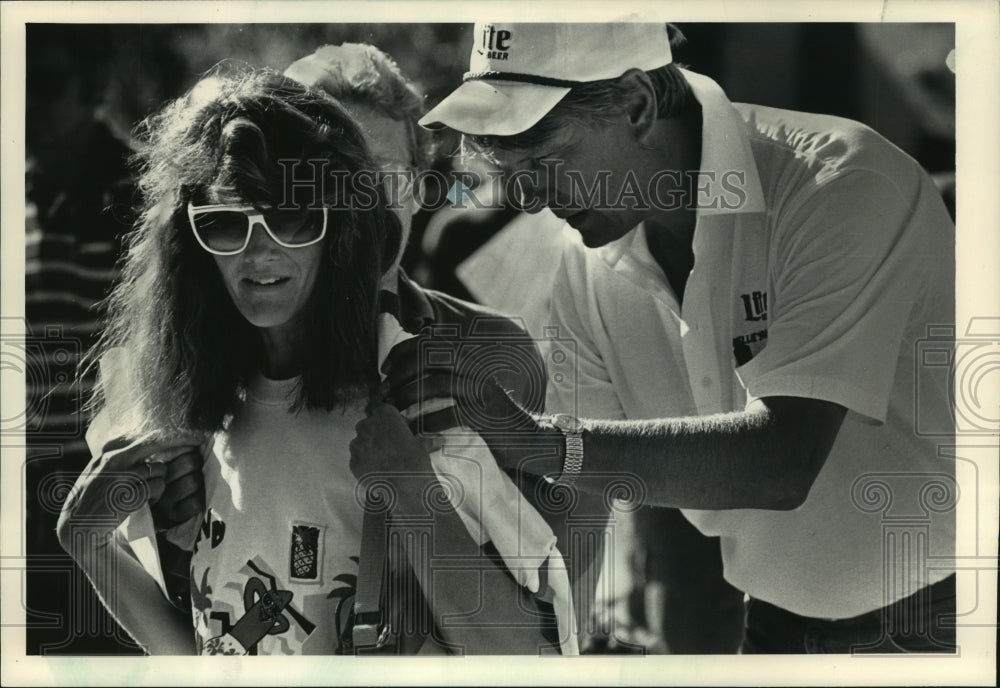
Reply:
x=189 y=350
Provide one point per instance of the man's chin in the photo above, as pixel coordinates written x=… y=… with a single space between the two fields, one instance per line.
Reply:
x=592 y=230
x=591 y=240
x=579 y=222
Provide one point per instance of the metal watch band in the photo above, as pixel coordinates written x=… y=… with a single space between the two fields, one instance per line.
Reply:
x=573 y=461
x=572 y=430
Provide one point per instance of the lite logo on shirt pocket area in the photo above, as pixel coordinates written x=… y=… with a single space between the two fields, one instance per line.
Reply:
x=746 y=346
x=755 y=305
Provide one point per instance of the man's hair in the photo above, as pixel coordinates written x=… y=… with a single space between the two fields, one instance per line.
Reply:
x=359 y=73
x=190 y=350
x=600 y=102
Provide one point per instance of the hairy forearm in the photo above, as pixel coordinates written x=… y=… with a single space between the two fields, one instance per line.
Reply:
x=716 y=462
x=763 y=458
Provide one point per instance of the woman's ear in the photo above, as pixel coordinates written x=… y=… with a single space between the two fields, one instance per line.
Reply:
x=640 y=103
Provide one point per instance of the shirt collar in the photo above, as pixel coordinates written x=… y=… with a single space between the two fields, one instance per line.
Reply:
x=727 y=161
x=407 y=303
x=725 y=148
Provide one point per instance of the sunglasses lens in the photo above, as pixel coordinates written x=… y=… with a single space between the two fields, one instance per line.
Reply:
x=295 y=226
x=224 y=230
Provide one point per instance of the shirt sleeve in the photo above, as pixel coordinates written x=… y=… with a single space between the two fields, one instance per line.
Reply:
x=138 y=528
x=845 y=274
x=579 y=383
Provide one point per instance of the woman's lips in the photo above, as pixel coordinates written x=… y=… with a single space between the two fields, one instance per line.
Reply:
x=266 y=281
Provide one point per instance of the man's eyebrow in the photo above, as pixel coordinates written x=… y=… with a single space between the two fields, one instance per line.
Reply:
x=527 y=157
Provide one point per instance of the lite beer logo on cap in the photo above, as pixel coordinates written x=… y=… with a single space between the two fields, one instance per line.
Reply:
x=496 y=43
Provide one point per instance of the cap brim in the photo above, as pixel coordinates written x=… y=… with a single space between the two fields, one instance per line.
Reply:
x=493 y=108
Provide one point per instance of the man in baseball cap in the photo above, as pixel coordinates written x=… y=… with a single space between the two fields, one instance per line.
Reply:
x=527 y=81
x=746 y=309
x=518 y=72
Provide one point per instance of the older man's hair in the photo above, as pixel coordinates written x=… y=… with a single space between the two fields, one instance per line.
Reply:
x=361 y=74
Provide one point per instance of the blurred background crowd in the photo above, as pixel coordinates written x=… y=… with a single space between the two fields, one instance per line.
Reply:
x=89 y=85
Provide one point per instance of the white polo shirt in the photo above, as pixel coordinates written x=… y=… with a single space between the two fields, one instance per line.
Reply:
x=816 y=275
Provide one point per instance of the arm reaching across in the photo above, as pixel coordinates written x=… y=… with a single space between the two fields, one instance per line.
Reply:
x=769 y=454
x=121 y=479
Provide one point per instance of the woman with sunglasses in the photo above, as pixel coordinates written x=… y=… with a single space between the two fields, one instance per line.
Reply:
x=242 y=345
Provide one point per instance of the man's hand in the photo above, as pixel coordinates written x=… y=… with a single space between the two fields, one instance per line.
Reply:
x=129 y=474
x=384 y=448
x=511 y=433
x=183 y=494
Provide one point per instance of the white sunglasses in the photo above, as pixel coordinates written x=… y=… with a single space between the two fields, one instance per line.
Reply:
x=225 y=229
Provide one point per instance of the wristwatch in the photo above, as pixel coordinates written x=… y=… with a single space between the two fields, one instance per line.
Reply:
x=572 y=430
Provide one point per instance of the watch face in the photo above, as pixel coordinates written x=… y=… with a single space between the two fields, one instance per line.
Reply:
x=567 y=423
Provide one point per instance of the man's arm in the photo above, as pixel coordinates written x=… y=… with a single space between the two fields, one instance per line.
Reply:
x=765 y=457
x=851 y=261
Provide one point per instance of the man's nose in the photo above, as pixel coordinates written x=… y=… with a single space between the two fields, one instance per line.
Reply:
x=531 y=195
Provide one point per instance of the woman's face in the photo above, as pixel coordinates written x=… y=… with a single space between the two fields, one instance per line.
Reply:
x=269 y=283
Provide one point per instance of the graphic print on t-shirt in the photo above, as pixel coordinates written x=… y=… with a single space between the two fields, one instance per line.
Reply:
x=273 y=540
x=306 y=555
x=266 y=612
x=268 y=602
x=212 y=528
x=344 y=614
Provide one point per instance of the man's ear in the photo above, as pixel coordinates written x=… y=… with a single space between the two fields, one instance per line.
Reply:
x=640 y=103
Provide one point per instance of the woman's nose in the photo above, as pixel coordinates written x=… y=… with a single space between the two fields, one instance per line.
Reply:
x=260 y=243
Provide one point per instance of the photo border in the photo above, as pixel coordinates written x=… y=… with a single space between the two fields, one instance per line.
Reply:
x=978 y=210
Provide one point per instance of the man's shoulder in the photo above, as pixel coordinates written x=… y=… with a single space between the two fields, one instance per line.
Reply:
x=470 y=319
x=803 y=157
x=796 y=128
x=822 y=145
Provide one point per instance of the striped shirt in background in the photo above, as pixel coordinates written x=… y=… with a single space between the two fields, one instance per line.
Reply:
x=72 y=241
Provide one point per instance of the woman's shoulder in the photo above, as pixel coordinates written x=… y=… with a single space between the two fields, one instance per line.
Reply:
x=114 y=367
x=113 y=361
x=119 y=400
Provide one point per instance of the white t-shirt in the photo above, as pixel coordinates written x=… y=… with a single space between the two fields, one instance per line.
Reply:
x=823 y=255
x=281 y=503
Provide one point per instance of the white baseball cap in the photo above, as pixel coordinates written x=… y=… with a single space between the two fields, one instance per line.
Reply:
x=518 y=72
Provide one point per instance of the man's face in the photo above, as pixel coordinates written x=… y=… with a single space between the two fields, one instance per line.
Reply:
x=584 y=174
x=388 y=141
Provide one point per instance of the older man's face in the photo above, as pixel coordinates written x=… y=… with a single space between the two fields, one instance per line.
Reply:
x=584 y=174
x=389 y=143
